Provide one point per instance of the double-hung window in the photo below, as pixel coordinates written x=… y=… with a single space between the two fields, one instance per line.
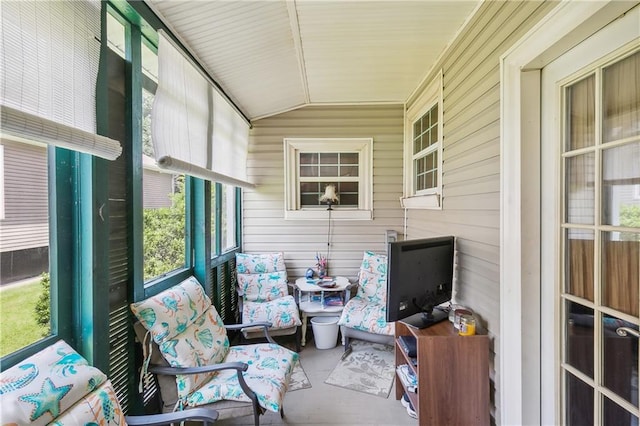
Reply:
x=313 y=164
x=423 y=150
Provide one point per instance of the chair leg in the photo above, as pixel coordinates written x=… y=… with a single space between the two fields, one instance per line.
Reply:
x=256 y=413
x=282 y=412
x=347 y=348
x=298 y=333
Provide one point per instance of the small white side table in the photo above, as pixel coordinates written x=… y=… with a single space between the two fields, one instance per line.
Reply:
x=316 y=308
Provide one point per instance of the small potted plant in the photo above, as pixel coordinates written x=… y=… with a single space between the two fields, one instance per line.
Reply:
x=321 y=263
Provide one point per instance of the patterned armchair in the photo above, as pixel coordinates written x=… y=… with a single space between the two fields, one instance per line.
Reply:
x=189 y=334
x=364 y=315
x=264 y=295
x=58 y=386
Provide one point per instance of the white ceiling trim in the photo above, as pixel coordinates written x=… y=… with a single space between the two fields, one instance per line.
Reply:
x=297 y=41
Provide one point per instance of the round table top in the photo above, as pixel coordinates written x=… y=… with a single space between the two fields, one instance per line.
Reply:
x=305 y=284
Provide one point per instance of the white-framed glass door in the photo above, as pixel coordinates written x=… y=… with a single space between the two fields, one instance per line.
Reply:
x=591 y=144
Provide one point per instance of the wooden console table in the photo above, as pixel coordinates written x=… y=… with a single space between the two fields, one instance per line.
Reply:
x=452 y=372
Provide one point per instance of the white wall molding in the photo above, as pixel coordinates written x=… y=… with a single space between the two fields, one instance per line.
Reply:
x=520 y=316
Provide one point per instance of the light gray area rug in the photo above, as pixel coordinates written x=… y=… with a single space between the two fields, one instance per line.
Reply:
x=370 y=368
x=299 y=379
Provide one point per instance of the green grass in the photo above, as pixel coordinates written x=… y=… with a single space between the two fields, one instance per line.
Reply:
x=18 y=327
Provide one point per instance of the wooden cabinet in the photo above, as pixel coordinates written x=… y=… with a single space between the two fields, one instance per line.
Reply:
x=452 y=372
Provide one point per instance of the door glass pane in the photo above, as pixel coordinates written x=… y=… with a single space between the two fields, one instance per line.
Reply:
x=620 y=177
x=579 y=410
x=621 y=99
x=621 y=271
x=580 y=114
x=580 y=335
x=602 y=243
x=580 y=194
x=579 y=255
x=620 y=359
x=615 y=415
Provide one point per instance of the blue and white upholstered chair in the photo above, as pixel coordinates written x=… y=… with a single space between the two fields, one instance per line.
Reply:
x=264 y=295
x=187 y=331
x=58 y=386
x=364 y=315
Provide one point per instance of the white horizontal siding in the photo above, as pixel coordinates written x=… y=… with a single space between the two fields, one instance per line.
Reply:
x=26 y=212
x=264 y=227
x=471 y=157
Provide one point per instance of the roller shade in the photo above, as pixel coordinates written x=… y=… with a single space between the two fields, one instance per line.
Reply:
x=194 y=129
x=49 y=58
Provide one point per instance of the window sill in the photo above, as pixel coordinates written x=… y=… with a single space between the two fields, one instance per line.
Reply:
x=323 y=214
x=431 y=201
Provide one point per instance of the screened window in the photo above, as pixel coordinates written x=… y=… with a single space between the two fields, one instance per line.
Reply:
x=163 y=194
x=319 y=169
x=314 y=164
x=49 y=116
x=223 y=218
x=228 y=217
x=24 y=246
x=423 y=150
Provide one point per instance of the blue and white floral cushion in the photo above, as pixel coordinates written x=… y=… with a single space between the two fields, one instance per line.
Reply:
x=261 y=277
x=189 y=337
x=44 y=387
x=281 y=313
x=100 y=407
x=262 y=281
x=268 y=375
x=366 y=311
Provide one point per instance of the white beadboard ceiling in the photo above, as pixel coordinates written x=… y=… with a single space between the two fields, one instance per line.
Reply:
x=272 y=56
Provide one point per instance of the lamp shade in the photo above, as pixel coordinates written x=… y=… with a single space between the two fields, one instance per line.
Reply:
x=329 y=194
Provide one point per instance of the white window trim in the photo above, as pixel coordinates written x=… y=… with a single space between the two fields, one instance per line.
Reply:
x=529 y=325
x=292 y=148
x=432 y=197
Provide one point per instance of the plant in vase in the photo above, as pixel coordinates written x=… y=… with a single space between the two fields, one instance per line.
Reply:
x=321 y=264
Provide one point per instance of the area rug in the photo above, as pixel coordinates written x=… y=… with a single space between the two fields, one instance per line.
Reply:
x=299 y=379
x=370 y=368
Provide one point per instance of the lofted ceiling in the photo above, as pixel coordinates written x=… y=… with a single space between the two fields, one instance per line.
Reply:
x=272 y=56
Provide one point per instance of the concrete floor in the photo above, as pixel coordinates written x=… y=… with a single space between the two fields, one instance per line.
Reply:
x=324 y=404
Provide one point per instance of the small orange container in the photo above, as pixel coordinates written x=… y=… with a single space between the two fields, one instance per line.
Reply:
x=467 y=325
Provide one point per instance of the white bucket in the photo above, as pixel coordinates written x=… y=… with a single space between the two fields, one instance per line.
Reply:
x=325 y=331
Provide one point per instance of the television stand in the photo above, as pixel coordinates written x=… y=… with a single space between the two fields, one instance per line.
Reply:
x=452 y=372
x=426 y=319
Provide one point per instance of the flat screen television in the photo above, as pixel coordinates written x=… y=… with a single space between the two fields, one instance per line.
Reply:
x=419 y=278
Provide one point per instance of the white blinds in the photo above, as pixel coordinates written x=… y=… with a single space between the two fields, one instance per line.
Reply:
x=49 y=58
x=194 y=129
